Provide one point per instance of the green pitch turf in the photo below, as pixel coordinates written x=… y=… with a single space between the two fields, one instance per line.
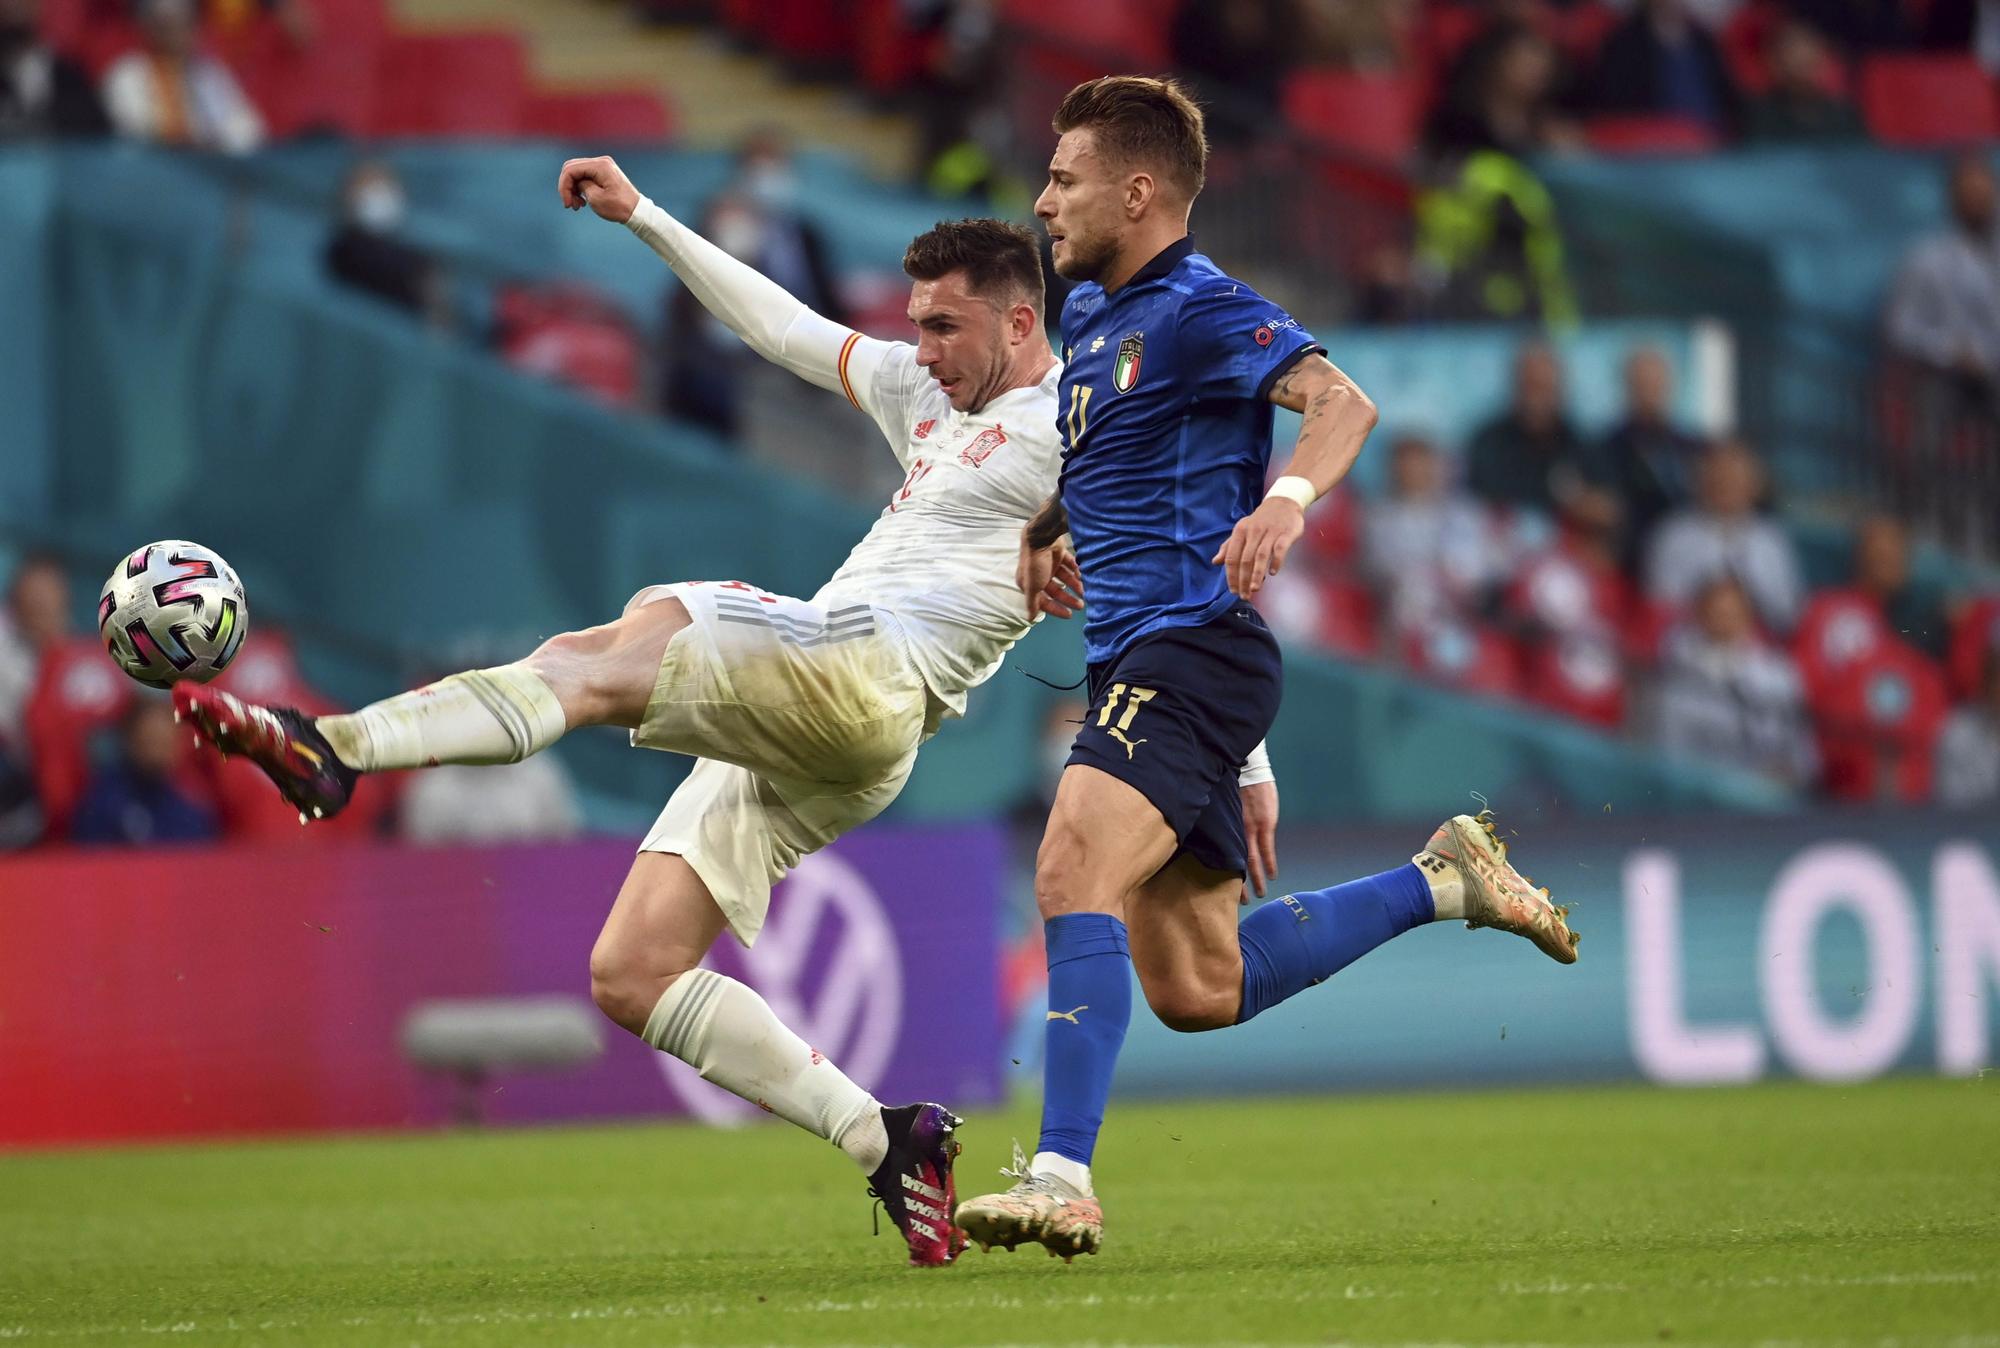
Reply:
x=1793 y=1214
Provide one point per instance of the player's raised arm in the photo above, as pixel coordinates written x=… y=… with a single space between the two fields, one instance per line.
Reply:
x=763 y=313
x=1338 y=417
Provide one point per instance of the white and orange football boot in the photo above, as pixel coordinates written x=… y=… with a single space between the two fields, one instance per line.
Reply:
x=1497 y=895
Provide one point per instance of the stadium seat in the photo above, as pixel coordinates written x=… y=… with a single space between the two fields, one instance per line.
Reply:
x=451 y=84
x=1347 y=618
x=888 y=55
x=1649 y=135
x=571 y=334
x=613 y=114
x=1375 y=115
x=1975 y=639
x=1928 y=100
x=1578 y=677
x=1470 y=657
x=1134 y=30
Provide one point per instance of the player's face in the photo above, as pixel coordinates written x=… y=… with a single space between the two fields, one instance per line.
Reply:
x=1083 y=207
x=961 y=340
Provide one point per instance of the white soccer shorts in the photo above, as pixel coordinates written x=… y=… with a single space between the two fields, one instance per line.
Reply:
x=806 y=718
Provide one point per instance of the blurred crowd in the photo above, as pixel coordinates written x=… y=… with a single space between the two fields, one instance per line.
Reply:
x=88 y=756
x=1640 y=582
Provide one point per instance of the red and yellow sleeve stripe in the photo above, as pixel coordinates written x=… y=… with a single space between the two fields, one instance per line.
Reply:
x=847 y=385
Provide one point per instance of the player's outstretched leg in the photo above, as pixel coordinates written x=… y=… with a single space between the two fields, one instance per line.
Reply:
x=601 y=676
x=645 y=976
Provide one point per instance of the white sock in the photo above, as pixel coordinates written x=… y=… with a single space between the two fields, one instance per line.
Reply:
x=730 y=1035
x=1073 y=1173
x=484 y=716
x=1447 y=886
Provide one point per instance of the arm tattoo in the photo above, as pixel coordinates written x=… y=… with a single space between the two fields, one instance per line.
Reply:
x=1049 y=524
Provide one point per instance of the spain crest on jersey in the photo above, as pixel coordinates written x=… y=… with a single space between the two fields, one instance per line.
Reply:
x=1125 y=370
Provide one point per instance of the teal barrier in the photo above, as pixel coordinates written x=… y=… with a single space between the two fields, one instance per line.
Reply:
x=1834 y=950
x=404 y=503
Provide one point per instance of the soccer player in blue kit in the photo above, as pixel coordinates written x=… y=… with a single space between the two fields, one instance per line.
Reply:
x=1165 y=410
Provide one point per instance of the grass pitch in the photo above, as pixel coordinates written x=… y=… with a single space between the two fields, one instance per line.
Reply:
x=1790 y=1213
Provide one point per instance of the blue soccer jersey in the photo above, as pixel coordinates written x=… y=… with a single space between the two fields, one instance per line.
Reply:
x=1166 y=429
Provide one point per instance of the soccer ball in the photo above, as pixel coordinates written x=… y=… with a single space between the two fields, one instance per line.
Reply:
x=173 y=611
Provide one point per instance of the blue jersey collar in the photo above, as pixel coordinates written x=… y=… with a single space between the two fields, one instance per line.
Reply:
x=1163 y=262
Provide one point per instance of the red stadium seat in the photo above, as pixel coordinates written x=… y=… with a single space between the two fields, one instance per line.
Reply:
x=888 y=56
x=1928 y=100
x=569 y=333
x=1975 y=640
x=451 y=84
x=1333 y=529
x=1131 y=31
x=1375 y=115
x=612 y=114
x=1649 y=135
x=1347 y=618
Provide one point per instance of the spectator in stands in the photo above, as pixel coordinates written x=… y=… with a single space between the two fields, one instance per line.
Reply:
x=1727 y=694
x=42 y=92
x=35 y=619
x=138 y=800
x=1944 y=312
x=367 y=252
x=1357 y=34
x=1882 y=574
x=1646 y=459
x=1427 y=546
x=1236 y=56
x=1661 y=62
x=1529 y=456
x=1722 y=534
x=1503 y=97
x=170 y=92
x=790 y=248
x=457 y=804
x=703 y=361
x=1968 y=751
x=1800 y=105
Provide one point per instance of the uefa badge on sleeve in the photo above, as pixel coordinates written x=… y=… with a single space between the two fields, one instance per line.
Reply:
x=1125 y=370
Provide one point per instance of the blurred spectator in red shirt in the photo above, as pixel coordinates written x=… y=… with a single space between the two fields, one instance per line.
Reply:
x=1801 y=104
x=1661 y=62
x=36 y=617
x=1427 y=546
x=1968 y=752
x=1646 y=460
x=1722 y=534
x=1727 y=694
x=1529 y=456
x=147 y=795
x=76 y=691
x=170 y=92
x=42 y=92
x=1578 y=613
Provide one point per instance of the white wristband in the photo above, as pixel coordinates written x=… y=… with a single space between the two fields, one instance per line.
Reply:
x=1296 y=489
x=1256 y=768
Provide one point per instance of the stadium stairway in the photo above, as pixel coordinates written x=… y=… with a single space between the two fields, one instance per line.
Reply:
x=717 y=92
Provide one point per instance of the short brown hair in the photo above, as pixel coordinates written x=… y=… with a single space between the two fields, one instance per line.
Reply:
x=1142 y=121
x=1001 y=260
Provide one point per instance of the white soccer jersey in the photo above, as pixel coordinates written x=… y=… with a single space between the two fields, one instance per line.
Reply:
x=941 y=557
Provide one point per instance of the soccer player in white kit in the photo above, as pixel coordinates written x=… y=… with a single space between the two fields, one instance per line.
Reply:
x=805 y=714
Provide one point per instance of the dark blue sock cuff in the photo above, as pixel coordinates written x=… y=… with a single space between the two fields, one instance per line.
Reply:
x=1075 y=936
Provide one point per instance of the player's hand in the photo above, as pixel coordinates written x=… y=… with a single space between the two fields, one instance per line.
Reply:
x=1257 y=546
x=1050 y=580
x=1260 y=835
x=601 y=185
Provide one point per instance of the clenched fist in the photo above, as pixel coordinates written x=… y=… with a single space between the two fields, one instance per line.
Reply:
x=601 y=185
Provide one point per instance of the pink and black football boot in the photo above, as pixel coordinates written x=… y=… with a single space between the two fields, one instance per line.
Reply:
x=914 y=1182
x=281 y=741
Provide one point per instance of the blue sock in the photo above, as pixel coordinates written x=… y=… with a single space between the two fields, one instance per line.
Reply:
x=1090 y=1004
x=1292 y=943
